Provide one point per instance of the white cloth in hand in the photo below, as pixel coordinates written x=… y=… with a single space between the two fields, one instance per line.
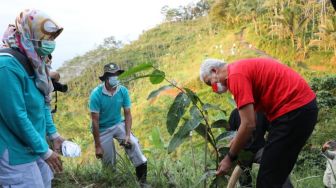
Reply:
x=70 y=149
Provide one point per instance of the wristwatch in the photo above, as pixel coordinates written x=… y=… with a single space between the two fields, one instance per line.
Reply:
x=232 y=157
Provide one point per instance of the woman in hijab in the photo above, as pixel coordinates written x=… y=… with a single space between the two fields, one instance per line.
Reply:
x=25 y=157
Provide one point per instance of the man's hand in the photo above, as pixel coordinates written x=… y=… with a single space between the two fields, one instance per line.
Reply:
x=55 y=163
x=325 y=146
x=99 y=152
x=127 y=140
x=126 y=143
x=57 y=144
x=224 y=166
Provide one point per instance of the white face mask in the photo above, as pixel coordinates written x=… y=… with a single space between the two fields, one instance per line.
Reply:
x=113 y=81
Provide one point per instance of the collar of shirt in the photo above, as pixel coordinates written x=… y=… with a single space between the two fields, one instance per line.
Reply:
x=108 y=93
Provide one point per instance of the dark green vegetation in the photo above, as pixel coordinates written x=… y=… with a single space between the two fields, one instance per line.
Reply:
x=301 y=34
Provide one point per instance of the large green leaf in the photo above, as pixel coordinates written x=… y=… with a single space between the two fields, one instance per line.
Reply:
x=223 y=150
x=208 y=106
x=157 y=77
x=221 y=123
x=201 y=129
x=179 y=137
x=192 y=95
x=136 y=69
x=195 y=114
x=185 y=129
x=135 y=78
x=176 y=111
x=175 y=142
x=155 y=93
x=226 y=135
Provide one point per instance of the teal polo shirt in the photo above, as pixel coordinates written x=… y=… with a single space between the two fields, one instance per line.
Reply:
x=25 y=118
x=109 y=106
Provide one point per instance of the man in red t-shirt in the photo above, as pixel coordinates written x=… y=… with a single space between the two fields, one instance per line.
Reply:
x=266 y=85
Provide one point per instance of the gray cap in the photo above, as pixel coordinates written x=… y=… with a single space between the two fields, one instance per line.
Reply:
x=110 y=69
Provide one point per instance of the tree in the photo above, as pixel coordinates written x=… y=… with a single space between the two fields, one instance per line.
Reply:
x=292 y=21
x=111 y=43
x=189 y=12
x=180 y=123
x=326 y=35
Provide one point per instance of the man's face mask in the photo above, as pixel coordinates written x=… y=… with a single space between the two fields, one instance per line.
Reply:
x=218 y=87
x=113 y=81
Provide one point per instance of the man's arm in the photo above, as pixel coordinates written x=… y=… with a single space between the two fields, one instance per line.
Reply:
x=128 y=123
x=247 y=125
x=96 y=136
x=246 y=128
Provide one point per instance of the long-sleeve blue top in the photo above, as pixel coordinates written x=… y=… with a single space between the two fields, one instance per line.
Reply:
x=25 y=118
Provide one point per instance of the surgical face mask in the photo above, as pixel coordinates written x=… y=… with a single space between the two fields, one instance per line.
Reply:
x=218 y=87
x=44 y=47
x=113 y=81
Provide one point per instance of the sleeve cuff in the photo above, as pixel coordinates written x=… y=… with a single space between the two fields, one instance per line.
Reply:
x=54 y=136
x=47 y=155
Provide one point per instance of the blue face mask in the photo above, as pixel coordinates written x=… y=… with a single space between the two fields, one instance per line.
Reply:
x=113 y=81
x=45 y=47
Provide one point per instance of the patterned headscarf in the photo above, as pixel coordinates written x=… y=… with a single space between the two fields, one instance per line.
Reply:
x=7 y=36
x=35 y=25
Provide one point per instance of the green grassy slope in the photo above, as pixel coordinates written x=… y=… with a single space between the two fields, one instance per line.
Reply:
x=177 y=48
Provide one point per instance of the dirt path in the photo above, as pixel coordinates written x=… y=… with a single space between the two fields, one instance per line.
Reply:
x=243 y=43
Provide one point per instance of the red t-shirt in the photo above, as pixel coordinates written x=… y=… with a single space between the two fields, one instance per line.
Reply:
x=271 y=86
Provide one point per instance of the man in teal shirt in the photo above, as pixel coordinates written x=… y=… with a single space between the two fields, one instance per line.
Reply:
x=105 y=105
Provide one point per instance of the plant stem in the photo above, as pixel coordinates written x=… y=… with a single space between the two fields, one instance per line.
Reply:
x=205 y=153
x=193 y=152
x=208 y=130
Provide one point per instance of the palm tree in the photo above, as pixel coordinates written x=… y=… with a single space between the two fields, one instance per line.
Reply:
x=293 y=21
x=327 y=35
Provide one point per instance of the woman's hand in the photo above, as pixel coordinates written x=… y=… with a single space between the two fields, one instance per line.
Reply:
x=55 y=163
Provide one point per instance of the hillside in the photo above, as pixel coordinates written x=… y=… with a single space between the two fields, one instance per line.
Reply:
x=178 y=48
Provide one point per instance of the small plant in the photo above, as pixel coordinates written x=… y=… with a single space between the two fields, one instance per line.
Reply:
x=180 y=124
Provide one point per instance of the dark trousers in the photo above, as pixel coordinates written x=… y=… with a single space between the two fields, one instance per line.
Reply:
x=287 y=136
x=245 y=179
